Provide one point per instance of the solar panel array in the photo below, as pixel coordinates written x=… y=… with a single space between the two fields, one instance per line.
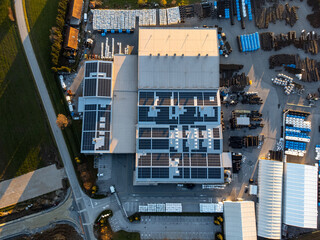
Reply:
x=97 y=116
x=98 y=79
x=179 y=136
x=96 y=128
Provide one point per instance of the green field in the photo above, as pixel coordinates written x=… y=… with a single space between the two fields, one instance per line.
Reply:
x=41 y=17
x=133 y=4
x=24 y=134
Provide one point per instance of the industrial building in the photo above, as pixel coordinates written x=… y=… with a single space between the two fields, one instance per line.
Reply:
x=297 y=183
x=179 y=137
x=240 y=220
x=163 y=105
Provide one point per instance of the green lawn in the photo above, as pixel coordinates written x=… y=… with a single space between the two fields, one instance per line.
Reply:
x=41 y=17
x=24 y=132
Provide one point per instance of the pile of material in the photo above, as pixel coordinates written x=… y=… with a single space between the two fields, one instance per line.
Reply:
x=306 y=69
x=246 y=141
x=285 y=81
x=314 y=18
x=237 y=82
x=249 y=42
x=308 y=41
x=265 y=15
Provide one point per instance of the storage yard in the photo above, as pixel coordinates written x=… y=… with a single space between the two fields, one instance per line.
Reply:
x=269 y=81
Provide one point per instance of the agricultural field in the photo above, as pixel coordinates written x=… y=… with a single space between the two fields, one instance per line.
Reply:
x=25 y=141
x=133 y=4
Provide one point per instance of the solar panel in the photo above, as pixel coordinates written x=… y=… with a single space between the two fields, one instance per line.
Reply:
x=144 y=144
x=186 y=172
x=90 y=87
x=160 y=172
x=146 y=98
x=87 y=140
x=186 y=159
x=216 y=144
x=214 y=160
x=198 y=159
x=104 y=87
x=199 y=173
x=90 y=107
x=160 y=132
x=144 y=160
x=160 y=159
x=104 y=125
x=105 y=68
x=210 y=98
x=214 y=173
x=89 y=121
x=144 y=172
x=145 y=132
x=164 y=98
x=216 y=133
x=91 y=67
x=160 y=143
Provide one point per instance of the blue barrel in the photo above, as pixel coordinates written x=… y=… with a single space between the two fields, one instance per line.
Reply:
x=220 y=52
x=252 y=42
x=120 y=30
x=113 y=31
x=103 y=34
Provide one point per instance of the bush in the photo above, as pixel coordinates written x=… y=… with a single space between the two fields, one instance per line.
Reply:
x=57 y=33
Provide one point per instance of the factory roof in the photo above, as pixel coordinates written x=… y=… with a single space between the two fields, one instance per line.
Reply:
x=124 y=105
x=178 y=58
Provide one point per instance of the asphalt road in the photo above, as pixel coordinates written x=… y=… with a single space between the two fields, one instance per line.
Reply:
x=80 y=198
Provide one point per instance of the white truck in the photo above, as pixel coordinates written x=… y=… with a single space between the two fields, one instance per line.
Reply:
x=63 y=85
x=112 y=189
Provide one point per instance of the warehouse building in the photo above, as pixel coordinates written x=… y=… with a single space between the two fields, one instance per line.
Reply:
x=240 y=220
x=270 y=199
x=297 y=183
x=300 y=206
x=179 y=137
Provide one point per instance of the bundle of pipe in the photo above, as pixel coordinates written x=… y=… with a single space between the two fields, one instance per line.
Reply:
x=249 y=42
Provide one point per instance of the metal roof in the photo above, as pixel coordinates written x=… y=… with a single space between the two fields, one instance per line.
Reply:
x=178 y=58
x=124 y=105
x=76 y=8
x=240 y=220
x=300 y=195
x=270 y=198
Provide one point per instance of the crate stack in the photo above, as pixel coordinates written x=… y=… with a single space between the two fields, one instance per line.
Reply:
x=296 y=134
x=173 y=15
x=317 y=149
x=163 y=17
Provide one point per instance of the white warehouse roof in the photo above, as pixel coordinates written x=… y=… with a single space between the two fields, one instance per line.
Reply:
x=240 y=220
x=300 y=195
x=270 y=198
x=178 y=58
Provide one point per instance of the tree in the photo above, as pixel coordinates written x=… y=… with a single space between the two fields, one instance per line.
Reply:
x=163 y=2
x=142 y=2
x=62 y=121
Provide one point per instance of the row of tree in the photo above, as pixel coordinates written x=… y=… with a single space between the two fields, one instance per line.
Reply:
x=56 y=32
